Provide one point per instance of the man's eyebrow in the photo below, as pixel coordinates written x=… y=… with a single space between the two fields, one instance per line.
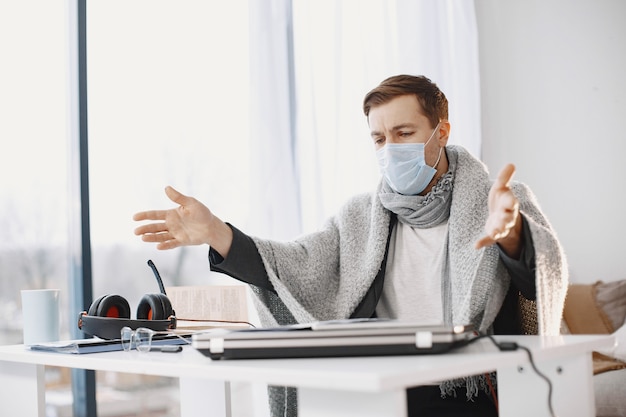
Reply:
x=404 y=126
x=395 y=128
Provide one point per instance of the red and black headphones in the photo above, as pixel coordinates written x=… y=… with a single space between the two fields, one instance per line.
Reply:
x=108 y=314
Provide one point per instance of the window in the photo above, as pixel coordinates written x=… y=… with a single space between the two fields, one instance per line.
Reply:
x=33 y=162
x=168 y=105
x=171 y=85
x=33 y=166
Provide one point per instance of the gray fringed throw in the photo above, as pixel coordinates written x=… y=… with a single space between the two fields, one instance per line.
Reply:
x=325 y=275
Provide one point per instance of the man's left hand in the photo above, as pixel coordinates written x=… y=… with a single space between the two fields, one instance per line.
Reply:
x=504 y=225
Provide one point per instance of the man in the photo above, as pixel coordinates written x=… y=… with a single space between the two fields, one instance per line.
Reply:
x=436 y=242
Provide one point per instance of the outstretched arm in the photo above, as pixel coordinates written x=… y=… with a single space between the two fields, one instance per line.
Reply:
x=191 y=223
x=504 y=224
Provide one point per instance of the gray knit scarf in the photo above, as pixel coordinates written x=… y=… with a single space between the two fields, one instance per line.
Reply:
x=427 y=211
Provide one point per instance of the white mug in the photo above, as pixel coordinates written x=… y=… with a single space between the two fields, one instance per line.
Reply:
x=40 y=313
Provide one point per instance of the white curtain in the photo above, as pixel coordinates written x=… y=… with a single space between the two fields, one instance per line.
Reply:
x=275 y=211
x=313 y=62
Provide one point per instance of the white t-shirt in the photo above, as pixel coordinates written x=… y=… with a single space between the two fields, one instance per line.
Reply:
x=413 y=277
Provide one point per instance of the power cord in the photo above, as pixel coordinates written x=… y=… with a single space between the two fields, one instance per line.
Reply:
x=512 y=346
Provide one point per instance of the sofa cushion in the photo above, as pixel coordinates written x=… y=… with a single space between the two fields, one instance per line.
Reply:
x=600 y=308
x=610 y=392
x=592 y=309
x=583 y=314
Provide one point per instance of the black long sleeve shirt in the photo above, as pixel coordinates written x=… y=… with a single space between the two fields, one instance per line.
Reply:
x=244 y=263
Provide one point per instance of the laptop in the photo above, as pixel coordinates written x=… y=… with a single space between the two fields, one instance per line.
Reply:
x=352 y=337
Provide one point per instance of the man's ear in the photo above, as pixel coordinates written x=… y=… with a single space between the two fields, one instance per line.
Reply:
x=444 y=132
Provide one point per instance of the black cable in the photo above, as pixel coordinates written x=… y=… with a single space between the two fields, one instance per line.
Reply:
x=542 y=375
x=512 y=346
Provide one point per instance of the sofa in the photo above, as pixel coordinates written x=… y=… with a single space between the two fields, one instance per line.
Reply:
x=600 y=308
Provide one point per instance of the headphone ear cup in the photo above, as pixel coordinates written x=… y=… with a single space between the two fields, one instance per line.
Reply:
x=154 y=307
x=168 y=310
x=93 y=308
x=110 y=306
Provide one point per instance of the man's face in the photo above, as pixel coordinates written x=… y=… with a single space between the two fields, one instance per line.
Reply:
x=402 y=120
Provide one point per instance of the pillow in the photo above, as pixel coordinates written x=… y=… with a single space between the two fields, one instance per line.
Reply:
x=611 y=298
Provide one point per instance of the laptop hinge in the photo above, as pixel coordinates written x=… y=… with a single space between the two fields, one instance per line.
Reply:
x=217 y=345
x=424 y=340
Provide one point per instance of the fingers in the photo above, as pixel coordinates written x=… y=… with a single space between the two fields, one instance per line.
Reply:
x=505 y=175
x=170 y=244
x=156 y=237
x=151 y=228
x=507 y=204
x=483 y=242
x=158 y=231
x=500 y=221
x=177 y=197
x=164 y=241
x=503 y=209
x=150 y=215
x=493 y=236
x=173 y=195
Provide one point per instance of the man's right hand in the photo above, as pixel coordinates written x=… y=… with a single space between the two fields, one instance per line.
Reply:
x=191 y=223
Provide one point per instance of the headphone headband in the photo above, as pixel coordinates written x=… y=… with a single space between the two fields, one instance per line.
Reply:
x=110 y=328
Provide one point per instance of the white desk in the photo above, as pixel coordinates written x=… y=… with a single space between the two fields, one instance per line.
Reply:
x=328 y=387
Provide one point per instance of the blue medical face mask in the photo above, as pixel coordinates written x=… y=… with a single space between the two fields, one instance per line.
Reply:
x=404 y=166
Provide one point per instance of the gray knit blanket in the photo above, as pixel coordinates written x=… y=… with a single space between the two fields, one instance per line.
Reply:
x=324 y=275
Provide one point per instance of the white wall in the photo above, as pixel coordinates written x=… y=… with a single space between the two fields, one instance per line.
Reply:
x=554 y=104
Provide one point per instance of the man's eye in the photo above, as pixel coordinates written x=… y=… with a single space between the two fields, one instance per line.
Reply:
x=405 y=134
x=378 y=141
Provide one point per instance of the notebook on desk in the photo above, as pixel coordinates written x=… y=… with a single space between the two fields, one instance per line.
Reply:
x=332 y=338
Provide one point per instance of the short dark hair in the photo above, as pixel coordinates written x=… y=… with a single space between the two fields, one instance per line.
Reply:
x=431 y=98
